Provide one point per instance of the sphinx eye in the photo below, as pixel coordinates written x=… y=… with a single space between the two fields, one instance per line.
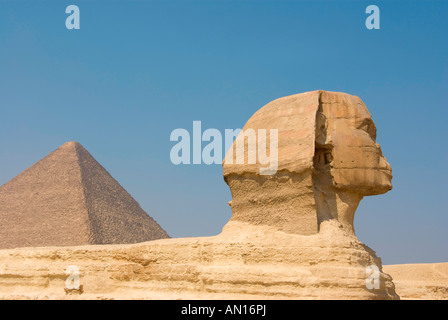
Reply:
x=368 y=126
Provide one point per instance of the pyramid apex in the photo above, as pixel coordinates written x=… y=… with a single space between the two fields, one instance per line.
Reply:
x=71 y=144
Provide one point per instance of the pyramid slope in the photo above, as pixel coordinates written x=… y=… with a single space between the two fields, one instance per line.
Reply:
x=67 y=199
x=44 y=205
x=114 y=215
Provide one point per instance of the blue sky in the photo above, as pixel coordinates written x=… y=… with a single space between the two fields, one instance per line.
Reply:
x=137 y=70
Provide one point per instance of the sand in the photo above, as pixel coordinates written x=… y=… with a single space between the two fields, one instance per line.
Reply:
x=425 y=281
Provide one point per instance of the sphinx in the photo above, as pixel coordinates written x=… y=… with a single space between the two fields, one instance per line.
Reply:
x=291 y=234
x=328 y=160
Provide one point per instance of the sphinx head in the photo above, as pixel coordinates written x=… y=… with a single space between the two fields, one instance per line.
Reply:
x=328 y=160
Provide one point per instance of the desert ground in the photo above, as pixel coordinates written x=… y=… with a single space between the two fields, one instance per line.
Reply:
x=421 y=281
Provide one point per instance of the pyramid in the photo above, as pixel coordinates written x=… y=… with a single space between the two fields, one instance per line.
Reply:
x=69 y=199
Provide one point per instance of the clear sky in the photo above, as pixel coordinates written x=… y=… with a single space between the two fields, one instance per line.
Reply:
x=136 y=70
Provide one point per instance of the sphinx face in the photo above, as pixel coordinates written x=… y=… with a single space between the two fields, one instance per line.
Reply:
x=355 y=159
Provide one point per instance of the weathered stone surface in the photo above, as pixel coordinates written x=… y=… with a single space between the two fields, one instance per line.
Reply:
x=243 y=262
x=69 y=199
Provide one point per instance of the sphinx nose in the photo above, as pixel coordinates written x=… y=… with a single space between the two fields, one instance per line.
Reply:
x=383 y=164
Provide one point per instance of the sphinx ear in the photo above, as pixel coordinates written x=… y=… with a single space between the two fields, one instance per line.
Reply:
x=323 y=154
x=321 y=129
